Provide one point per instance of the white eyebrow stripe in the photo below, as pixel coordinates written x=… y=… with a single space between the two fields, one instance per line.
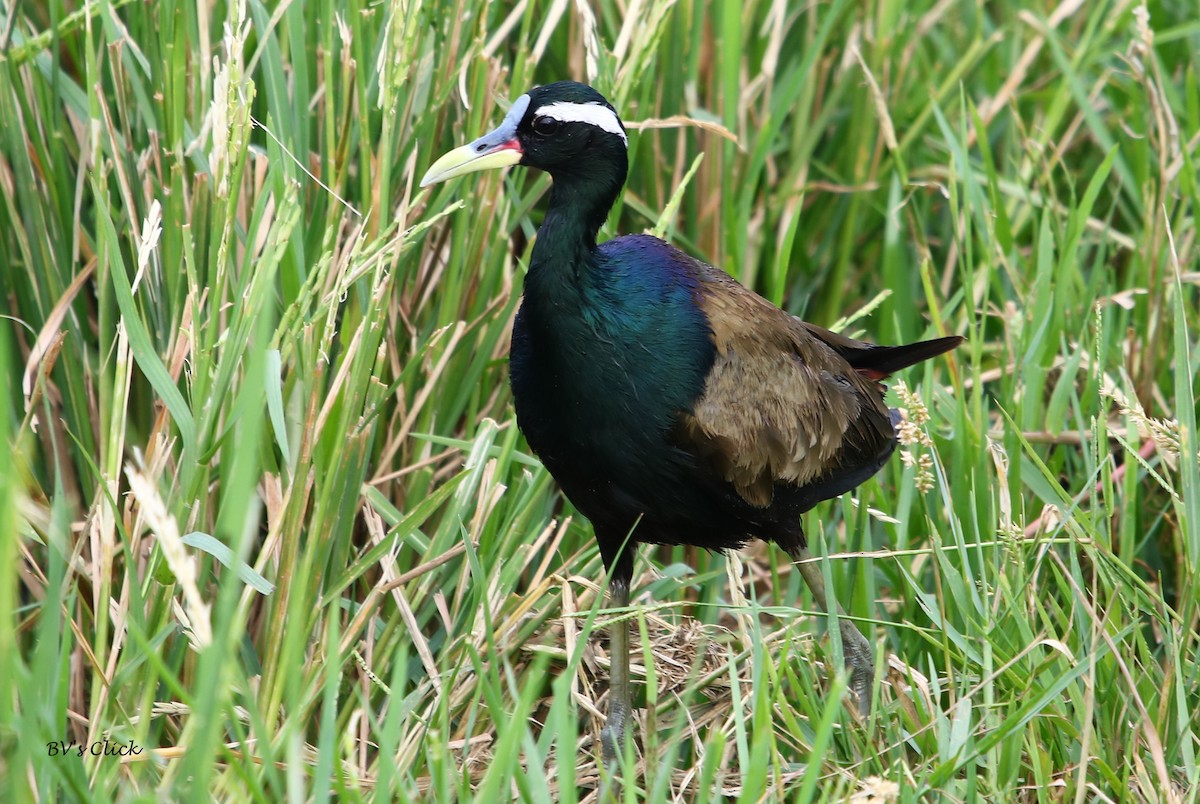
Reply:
x=593 y=113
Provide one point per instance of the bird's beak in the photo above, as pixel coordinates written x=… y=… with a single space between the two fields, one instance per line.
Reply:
x=492 y=150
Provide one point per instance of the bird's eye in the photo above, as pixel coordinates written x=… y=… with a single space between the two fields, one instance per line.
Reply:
x=545 y=125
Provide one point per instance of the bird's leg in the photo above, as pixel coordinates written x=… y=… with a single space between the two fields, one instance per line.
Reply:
x=855 y=647
x=612 y=736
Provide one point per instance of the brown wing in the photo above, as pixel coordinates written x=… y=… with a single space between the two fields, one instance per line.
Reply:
x=780 y=405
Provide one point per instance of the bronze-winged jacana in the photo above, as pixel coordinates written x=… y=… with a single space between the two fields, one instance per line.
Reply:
x=671 y=404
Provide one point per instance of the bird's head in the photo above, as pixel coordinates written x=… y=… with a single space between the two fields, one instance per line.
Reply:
x=566 y=129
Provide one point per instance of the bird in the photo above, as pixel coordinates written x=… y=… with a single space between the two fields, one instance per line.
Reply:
x=671 y=404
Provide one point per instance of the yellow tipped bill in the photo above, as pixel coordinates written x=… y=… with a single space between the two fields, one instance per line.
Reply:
x=468 y=159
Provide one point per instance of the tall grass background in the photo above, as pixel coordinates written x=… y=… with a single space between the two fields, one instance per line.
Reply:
x=265 y=515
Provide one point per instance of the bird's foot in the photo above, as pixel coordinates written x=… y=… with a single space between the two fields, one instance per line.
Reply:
x=860 y=660
x=862 y=682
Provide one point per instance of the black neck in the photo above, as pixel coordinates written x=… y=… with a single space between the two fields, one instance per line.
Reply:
x=580 y=200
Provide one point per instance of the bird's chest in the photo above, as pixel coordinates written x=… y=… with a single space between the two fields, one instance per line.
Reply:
x=604 y=383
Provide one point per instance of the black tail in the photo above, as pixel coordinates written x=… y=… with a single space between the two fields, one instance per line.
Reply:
x=878 y=362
